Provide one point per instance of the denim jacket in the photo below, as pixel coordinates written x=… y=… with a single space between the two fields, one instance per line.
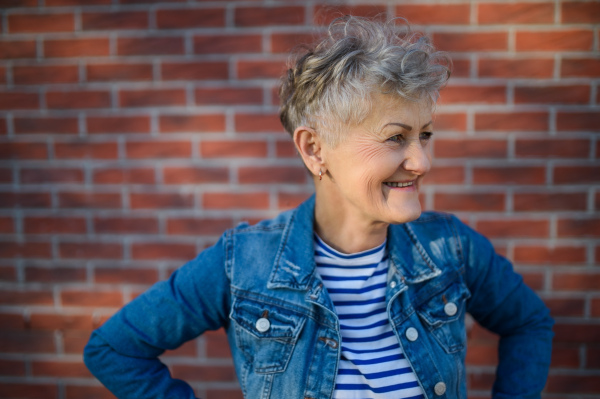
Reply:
x=439 y=270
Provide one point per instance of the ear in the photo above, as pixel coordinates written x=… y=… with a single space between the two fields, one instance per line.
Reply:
x=309 y=146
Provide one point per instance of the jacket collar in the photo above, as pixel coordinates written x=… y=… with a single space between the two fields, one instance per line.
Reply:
x=295 y=263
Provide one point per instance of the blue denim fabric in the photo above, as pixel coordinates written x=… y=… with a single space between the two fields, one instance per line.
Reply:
x=268 y=271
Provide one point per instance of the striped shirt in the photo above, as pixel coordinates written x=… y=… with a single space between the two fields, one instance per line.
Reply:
x=372 y=365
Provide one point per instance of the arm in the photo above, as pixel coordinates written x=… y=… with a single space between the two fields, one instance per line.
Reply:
x=502 y=303
x=123 y=352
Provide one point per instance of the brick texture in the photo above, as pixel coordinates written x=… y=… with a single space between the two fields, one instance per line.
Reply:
x=134 y=132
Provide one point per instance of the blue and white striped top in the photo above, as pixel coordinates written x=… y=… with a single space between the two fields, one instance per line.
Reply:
x=372 y=365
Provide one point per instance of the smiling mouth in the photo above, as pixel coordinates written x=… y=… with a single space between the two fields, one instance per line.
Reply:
x=399 y=184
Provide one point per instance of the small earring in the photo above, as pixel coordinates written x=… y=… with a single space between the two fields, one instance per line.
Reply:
x=320 y=175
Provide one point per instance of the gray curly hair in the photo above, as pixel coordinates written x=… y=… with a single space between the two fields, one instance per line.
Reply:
x=330 y=86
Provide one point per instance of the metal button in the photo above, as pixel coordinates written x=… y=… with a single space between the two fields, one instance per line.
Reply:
x=412 y=334
x=450 y=309
x=393 y=284
x=439 y=388
x=263 y=325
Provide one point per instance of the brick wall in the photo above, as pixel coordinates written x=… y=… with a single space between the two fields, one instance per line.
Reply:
x=132 y=133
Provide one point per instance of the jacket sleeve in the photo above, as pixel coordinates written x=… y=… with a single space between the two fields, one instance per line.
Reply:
x=123 y=352
x=501 y=302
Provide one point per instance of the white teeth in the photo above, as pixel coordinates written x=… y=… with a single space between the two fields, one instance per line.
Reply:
x=396 y=184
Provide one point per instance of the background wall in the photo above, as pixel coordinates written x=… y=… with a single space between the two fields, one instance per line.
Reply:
x=132 y=133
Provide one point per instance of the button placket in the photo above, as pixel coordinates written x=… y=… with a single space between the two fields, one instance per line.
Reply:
x=439 y=388
x=412 y=334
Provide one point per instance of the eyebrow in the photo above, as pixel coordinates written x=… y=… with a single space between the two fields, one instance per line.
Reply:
x=407 y=127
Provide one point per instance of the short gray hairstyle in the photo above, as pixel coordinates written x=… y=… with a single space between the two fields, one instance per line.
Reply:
x=329 y=86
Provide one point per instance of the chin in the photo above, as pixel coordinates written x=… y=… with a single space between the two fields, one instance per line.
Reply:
x=407 y=214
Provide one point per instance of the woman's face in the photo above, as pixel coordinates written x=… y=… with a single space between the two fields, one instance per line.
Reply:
x=375 y=172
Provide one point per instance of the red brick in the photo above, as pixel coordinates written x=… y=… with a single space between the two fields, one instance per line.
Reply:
x=543 y=202
x=593 y=358
x=212 y=373
x=553 y=94
x=125 y=276
x=19 y=100
x=206 y=70
x=19 y=3
x=234 y=149
x=23 y=150
x=269 y=175
x=580 y=67
x=54 y=225
x=195 y=226
x=161 y=200
x=514 y=228
x=552 y=148
x=25 y=200
x=116 y=72
x=516 y=68
x=5 y=176
x=150 y=46
x=91 y=250
x=158 y=149
x=7 y=225
x=285 y=149
x=535 y=281
x=32 y=125
x=576 y=174
x=568 y=307
x=260 y=69
x=82 y=150
x=566 y=356
x=565 y=383
x=35 y=75
x=223 y=393
x=472 y=148
x=473 y=94
x=482 y=354
x=51 y=175
x=216 y=344
x=26 y=297
x=87 y=200
x=162 y=250
x=60 y=321
x=227 y=44
x=471 y=41
x=192 y=123
x=476 y=202
x=554 y=40
x=118 y=124
x=190 y=18
x=580 y=12
x=55 y=274
x=125 y=225
x=188 y=349
x=549 y=255
x=228 y=96
x=12 y=321
x=114 y=20
x=41 y=23
x=575 y=121
x=324 y=14
x=91 y=298
x=519 y=121
x=509 y=175
x=258 y=123
x=29 y=390
x=89 y=392
x=446 y=175
x=70 y=99
x=255 y=200
x=18 y=49
x=588 y=227
x=77 y=48
x=12 y=368
x=450 y=122
x=291 y=200
x=45 y=368
x=60 y=3
x=124 y=176
x=438 y=14
x=8 y=273
x=517 y=13
x=195 y=175
x=149 y=1
x=3 y=81
x=151 y=98
x=269 y=16
x=285 y=42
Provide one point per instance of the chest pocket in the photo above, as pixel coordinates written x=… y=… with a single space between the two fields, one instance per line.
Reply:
x=443 y=314
x=266 y=334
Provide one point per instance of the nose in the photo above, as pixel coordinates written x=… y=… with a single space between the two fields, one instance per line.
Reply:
x=418 y=159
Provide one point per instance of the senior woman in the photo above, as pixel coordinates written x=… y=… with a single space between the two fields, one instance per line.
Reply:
x=354 y=294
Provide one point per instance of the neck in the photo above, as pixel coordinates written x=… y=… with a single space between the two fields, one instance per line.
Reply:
x=346 y=230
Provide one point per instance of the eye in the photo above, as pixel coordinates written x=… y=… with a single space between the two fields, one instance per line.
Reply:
x=426 y=136
x=399 y=138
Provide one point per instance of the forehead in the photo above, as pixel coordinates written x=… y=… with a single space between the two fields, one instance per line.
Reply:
x=387 y=108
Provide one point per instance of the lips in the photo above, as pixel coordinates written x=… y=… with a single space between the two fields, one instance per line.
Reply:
x=399 y=184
